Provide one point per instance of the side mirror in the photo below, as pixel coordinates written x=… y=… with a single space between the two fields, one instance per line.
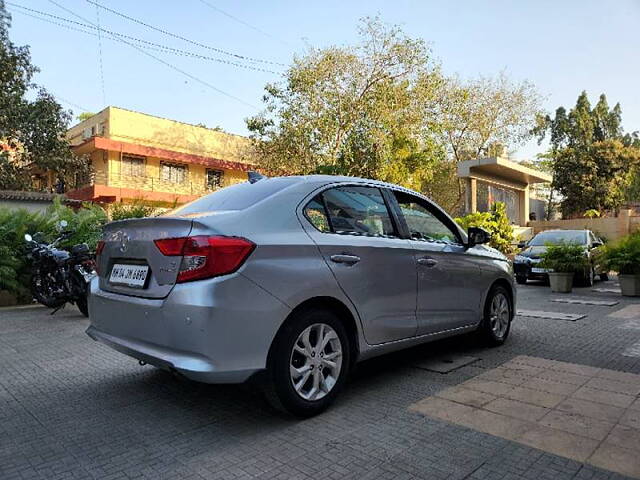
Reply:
x=477 y=236
x=596 y=244
x=522 y=244
x=28 y=237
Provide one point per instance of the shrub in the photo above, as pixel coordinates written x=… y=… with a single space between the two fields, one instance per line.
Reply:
x=84 y=223
x=564 y=258
x=495 y=222
x=136 y=209
x=623 y=256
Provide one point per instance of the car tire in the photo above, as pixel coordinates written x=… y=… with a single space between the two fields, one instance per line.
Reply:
x=498 y=312
x=521 y=279
x=290 y=392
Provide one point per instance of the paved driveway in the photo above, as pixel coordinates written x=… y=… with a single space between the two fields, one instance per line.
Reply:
x=72 y=408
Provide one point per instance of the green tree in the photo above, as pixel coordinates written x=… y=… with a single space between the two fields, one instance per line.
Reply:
x=593 y=162
x=484 y=117
x=85 y=116
x=32 y=132
x=358 y=110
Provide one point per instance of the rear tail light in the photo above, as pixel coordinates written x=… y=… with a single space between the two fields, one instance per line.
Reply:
x=99 y=248
x=205 y=257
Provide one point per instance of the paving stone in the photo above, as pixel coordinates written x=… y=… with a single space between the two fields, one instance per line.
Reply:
x=559 y=442
x=550 y=386
x=627 y=388
x=446 y=363
x=631 y=418
x=603 y=396
x=586 y=301
x=487 y=386
x=513 y=408
x=630 y=311
x=473 y=398
x=599 y=411
x=534 y=397
x=570 y=317
x=505 y=375
x=577 y=424
x=625 y=436
x=617 y=459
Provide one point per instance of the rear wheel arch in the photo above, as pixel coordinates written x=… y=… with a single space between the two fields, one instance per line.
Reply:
x=333 y=305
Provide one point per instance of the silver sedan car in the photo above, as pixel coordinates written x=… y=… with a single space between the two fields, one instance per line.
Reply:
x=294 y=279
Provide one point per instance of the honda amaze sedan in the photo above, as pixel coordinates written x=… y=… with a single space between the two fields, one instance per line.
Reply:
x=294 y=279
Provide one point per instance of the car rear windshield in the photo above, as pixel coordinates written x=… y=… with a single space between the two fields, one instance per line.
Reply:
x=554 y=238
x=234 y=197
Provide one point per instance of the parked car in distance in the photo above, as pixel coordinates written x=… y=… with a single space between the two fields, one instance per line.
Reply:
x=525 y=263
x=293 y=280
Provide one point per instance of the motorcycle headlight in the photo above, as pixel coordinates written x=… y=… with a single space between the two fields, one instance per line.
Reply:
x=519 y=259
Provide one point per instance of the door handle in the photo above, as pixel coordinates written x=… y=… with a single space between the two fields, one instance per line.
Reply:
x=348 y=259
x=427 y=262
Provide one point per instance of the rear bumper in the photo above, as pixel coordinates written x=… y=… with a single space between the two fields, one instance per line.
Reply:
x=213 y=331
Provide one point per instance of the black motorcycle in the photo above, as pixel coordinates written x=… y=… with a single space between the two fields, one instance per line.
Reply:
x=60 y=276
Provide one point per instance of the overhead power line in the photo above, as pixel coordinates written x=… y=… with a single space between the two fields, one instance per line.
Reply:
x=184 y=39
x=146 y=43
x=167 y=64
x=239 y=20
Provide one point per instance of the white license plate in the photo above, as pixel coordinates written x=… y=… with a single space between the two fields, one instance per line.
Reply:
x=539 y=270
x=130 y=275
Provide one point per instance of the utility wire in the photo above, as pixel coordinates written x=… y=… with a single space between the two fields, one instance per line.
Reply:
x=239 y=20
x=158 y=46
x=167 y=64
x=180 y=37
x=104 y=97
x=79 y=107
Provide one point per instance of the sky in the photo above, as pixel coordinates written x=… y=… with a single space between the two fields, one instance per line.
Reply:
x=563 y=47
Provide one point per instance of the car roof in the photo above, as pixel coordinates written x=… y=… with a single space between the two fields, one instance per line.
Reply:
x=329 y=179
x=564 y=230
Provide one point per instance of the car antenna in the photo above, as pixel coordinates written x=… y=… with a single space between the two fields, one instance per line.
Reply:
x=254 y=176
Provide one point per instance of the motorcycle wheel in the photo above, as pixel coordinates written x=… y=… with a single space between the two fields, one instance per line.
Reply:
x=39 y=287
x=81 y=303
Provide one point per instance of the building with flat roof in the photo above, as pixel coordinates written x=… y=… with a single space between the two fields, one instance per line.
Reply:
x=139 y=156
x=497 y=179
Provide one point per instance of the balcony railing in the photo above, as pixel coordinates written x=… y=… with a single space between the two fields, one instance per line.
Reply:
x=152 y=184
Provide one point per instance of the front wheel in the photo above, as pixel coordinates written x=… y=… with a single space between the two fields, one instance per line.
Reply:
x=309 y=363
x=498 y=312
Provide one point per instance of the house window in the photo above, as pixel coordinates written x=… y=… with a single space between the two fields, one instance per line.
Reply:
x=131 y=166
x=173 y=173
x=214 y=178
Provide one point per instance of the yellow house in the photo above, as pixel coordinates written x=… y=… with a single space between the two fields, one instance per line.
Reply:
x=140 y=156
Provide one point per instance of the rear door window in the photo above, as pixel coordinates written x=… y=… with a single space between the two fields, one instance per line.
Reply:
x=358 y=210
x=317 y=215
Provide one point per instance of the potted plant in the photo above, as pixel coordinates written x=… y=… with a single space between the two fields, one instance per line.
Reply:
x=562 y=261
x=624 y=258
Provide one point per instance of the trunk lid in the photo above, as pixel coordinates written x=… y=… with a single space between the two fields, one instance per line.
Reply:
x=131 y=242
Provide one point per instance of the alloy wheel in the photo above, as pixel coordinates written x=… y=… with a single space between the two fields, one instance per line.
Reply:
x=499 y=314
x=316 y=361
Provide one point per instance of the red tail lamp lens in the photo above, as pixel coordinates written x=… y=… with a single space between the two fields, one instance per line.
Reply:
x=204 y=256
